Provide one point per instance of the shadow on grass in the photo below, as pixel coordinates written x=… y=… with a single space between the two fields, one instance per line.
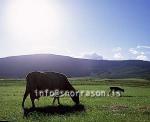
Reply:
x=51 y=110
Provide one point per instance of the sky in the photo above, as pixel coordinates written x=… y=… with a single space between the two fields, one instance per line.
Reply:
x=95 y=29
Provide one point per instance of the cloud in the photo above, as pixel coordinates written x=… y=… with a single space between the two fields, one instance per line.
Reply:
x=94 y=56
x=142 y=57
x=142 y=53
x=118 y=53
x=143 y=46
x=133 y=51
x=139 y=53
x=117 y=49
x=118 y=56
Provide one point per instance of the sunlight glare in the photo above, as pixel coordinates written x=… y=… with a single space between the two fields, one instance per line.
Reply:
x=34 y=22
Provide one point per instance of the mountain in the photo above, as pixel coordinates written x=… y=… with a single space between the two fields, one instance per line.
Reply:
x=20 y=66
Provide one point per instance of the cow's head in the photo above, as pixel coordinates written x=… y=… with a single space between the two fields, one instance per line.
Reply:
x=75 y=97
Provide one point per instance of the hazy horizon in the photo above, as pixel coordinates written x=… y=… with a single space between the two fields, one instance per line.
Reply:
x=99 y=29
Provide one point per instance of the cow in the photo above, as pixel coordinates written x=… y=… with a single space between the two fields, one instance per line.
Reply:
x=41 y=81
x=116 y=91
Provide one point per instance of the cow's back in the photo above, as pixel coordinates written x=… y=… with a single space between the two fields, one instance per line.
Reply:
x=47 y=80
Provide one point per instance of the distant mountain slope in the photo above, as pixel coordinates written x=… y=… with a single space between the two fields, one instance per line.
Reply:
x=20 y=66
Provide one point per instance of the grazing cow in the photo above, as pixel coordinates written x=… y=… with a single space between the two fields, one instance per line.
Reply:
x=38 y=81
x=116 y=91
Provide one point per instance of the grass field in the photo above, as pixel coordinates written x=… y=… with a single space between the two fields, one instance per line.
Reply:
x=133 y=106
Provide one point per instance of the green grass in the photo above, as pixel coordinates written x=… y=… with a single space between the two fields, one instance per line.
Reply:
x=134 y=106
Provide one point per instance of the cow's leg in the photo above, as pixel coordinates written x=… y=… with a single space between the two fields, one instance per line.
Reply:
x=58 y=100
x=54 y=100
x=110 y=93
x=32 y=97
x=120 y=94
x=113 y=93
x=24 y=98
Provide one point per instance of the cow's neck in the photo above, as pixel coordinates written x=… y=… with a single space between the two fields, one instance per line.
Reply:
x=70 y=88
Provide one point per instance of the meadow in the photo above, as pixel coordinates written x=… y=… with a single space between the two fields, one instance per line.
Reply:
x=133 y=106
